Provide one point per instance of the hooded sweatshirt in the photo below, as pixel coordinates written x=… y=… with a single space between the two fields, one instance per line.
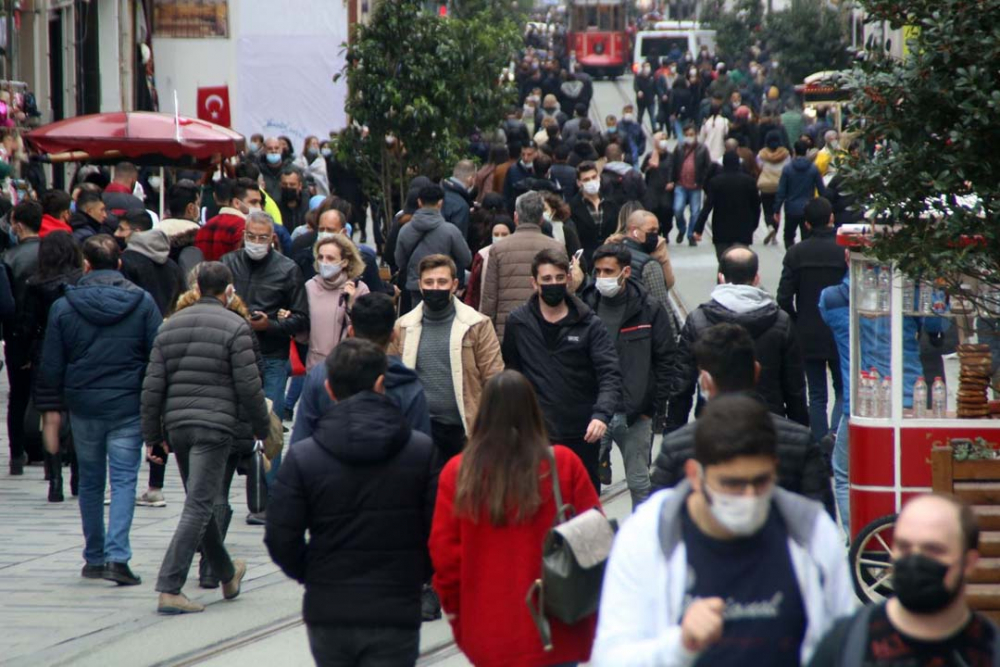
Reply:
x=428 y=233
x=146 y=262
x=362 y=487
x=782 y=379
x=771 y=163
x=800 y=182
x=96 y=348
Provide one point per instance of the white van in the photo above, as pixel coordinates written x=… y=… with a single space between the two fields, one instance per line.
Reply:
x=686 y=36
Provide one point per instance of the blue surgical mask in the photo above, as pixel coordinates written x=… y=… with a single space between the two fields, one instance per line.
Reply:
x=72 y=206
x=273 y=158
x=613 y=129
x=326 y=152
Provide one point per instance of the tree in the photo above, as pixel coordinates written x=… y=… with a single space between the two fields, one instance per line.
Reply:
x=805 y=38
x=419 y=84
x=736 y=29
x=928 y=159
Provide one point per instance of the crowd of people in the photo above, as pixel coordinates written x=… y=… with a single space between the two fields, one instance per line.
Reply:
x=513 y=324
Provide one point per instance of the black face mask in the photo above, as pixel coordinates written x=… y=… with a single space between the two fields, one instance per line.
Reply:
x=553 y=295
x=436 y=299
x=919 y=584
x=649 y=245
x=289 y=195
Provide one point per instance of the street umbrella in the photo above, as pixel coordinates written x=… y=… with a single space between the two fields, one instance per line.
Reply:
x=142 y=137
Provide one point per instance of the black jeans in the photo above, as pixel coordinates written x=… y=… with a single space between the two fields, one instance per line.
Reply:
x=19 y=380
x=647 y=108
x=794 y=223
x=157 y=471
x=767 y=203
x=590 y=455
x=720 y=250
x=362 y=646
x=202 y=455
x=449 y=441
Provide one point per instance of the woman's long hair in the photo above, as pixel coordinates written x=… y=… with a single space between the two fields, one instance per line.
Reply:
x=499 y=470
x=627 y=209
x=59 y=255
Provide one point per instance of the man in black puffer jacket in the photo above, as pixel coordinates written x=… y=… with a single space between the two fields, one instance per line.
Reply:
x=725 y=356
x=362 y=487
x=201 y=371
x=740 y=300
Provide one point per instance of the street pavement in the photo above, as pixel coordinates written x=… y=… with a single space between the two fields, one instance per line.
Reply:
x=51 y=616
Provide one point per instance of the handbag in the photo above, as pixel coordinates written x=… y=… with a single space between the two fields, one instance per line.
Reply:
x=574 y=554
x=256 y=484
x=295 y=360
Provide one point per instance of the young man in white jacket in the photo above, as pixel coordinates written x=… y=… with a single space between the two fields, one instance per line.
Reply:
x=726 y=568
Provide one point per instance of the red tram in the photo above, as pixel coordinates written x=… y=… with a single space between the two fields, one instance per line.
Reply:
x=597 y=39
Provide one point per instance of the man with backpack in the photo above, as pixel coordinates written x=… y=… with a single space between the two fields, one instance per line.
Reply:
x=928 y=621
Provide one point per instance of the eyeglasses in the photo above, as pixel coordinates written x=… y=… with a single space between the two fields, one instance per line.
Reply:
x=735 y=486
x=257 y=238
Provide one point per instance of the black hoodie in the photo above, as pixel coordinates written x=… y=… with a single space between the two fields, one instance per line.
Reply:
x=362 y=487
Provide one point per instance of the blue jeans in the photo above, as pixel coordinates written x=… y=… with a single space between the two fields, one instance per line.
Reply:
x=275 y=379
x=103 y=446
x=816 y=369
x=841 y=467
x=683 y=197
x=678 y=129
x=294 y=390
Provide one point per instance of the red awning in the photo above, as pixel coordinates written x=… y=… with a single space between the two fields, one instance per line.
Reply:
x=143 y=137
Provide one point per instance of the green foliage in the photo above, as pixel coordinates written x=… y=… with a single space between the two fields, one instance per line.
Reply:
x=808 y=37
x=421 y=84
x=736 y=29
x=933 y=118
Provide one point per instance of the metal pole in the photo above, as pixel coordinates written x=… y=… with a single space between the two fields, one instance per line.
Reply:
x=163 y=186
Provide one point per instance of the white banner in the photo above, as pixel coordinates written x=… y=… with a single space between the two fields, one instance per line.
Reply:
x=286 y=86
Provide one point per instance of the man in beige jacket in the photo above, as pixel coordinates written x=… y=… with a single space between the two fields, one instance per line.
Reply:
x=507 y=284
x=453 y=350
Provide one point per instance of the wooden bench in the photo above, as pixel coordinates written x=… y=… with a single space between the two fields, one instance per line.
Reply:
x=977 y=482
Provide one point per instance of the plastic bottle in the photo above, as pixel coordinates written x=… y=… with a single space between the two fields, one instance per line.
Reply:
x=909 y=295
x=883 y=289
x=939 y=399
x=920 y=398
x=864 y=395
x=885 y=397
x=925 y=299
x=869 y=289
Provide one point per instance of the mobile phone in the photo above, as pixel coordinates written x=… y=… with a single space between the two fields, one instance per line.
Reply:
x=577 y=255
x=258 y=316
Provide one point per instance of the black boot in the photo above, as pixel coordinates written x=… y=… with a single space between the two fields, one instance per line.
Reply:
x=206 y=578
x=53 y=466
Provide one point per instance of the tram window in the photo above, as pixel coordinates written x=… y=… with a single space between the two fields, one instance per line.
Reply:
x=661 y=46
x=591 y=17
x=606 y=18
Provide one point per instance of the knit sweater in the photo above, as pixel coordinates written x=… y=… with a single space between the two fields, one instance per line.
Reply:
x=434 y=365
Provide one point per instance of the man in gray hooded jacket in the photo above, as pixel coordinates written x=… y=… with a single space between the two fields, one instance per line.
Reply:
x=146 y=262
x=739 y=299
x=428 y=233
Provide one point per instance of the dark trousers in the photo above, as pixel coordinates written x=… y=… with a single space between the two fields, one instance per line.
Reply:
x=816 y=374
x=647 y=108
x=590 y=455
x=767 y=203
x=201 y=456
x=720 y=250
x=19 y=380
x=157 y=471
x=794 y=223
x=361 y=646
x=449 y=441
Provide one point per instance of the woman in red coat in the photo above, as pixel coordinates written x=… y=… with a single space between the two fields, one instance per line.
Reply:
x=494 y=508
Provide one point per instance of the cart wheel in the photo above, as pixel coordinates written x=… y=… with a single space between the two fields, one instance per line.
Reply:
x=870 y=558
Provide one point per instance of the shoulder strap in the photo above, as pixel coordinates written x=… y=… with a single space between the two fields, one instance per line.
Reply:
x=856 y=637
x=563 y=512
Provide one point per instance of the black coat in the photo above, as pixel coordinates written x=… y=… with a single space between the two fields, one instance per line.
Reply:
x=658 y=198
x=683 y=105
x=734 y=197
x=201 y=372
x=272 y=284
x=362 y=486
x=647 y=352
x=578 y=379
x=702 y=164
x=809 y=268
x=164 y=282
x=21 y=263
x=802 y=468
x=592 y=235
x=457 y=206
x=565 y=175
x=782 y=380
x=845 y=207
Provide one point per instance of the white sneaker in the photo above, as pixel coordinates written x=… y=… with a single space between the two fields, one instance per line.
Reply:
x=151 y=499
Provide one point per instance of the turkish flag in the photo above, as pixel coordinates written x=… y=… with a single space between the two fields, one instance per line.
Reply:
x=213 y=105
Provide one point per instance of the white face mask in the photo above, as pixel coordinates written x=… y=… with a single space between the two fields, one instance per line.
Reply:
x=230 y=295
x=629 y=117
x=664 y=144
x=323 y=235
x=256 y=250
x=740 y=515
x=330 y=271
x=252 y=208
x=609 y=287
x=690 y=140
x=494 y=239
x=592 y=187
x=155 y=183
x=547 y=217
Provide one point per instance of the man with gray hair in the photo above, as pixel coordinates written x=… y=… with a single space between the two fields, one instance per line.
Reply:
x=507 y=283
x=458 y=196
x=272 y=287
x=827 y=154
